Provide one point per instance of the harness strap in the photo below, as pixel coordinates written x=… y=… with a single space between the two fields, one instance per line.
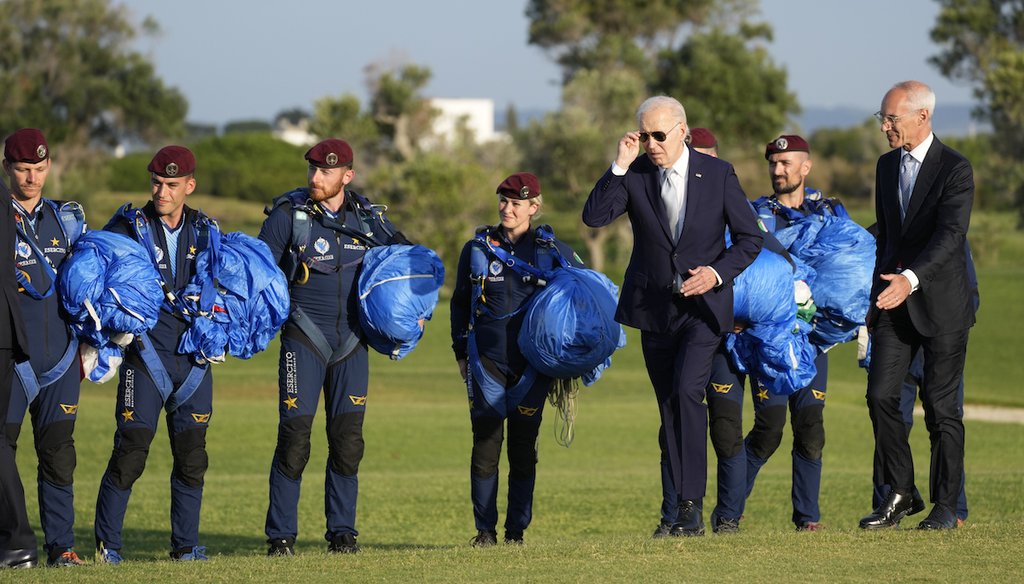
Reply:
x=33 y=385
x=173 y=397
x=22 y=277
x=315 y=336
x=494 y=393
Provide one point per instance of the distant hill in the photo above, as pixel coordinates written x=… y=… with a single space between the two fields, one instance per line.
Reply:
x=950 y=119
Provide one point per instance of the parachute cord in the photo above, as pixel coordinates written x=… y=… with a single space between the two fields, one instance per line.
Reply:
x=563 y=398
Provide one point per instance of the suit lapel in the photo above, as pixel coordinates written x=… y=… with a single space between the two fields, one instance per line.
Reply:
x=923 y=185
x=890 y=192
x=694 y=190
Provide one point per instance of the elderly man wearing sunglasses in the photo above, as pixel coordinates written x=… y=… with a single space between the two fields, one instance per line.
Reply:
x=678 y=285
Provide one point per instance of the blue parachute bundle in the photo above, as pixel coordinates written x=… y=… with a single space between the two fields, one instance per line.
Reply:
x=108 y=286
x=238 y=299
x=569 y=328
x=773 y=346
x=842 y=254
x=398 y=290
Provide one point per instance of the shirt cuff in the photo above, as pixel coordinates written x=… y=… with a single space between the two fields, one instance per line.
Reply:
x=618 y=170
x=912 y=278
x=717 y=277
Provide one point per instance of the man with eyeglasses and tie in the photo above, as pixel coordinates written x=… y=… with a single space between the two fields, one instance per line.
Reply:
x=921 y=300
x=678 y=286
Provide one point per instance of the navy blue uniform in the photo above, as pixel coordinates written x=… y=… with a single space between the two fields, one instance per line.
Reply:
x=321 y=351
x=806 y=406
x=55 y=408
x=497 y=350
x=139 y=401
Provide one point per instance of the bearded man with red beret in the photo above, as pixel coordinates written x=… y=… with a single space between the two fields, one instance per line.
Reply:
x=318 y=235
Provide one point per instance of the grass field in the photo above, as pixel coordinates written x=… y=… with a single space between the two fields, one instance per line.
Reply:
x=596 y=502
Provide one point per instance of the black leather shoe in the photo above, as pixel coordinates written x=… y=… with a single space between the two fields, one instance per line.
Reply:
x=23 y=558
x=689 y=521
x=941 y=517
x=663 y=529
x=890 y=512
x=916 y=503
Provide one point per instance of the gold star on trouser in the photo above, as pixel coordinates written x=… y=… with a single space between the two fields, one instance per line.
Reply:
x=762 y=394
x=128 y=415
x=192 y=249
x=290 y=403
x=54 y=242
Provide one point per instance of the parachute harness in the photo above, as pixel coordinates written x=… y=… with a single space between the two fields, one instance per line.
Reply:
x=563 y=392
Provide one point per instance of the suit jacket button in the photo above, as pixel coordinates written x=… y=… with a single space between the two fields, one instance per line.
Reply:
x=675 y=256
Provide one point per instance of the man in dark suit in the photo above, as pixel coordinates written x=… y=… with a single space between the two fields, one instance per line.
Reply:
x=922 y=300
x=678 y=285
x=17 y=542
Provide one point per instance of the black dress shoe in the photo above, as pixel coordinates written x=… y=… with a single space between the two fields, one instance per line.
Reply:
x=890 y=512
x=689 y=521
x=23 y=558
x=916 y=503
x=941 y=517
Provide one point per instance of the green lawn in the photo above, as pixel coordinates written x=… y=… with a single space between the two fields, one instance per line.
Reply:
x=596 y=503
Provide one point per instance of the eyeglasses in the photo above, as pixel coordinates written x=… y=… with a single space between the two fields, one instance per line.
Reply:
x=659 y=136
x=891 y=120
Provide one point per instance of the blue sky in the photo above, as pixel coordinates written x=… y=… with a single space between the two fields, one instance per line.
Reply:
x=237 y=59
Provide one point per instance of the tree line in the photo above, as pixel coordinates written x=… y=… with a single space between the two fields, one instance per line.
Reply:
x=68 y=67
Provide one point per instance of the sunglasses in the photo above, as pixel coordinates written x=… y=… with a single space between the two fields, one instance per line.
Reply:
x=658 y=136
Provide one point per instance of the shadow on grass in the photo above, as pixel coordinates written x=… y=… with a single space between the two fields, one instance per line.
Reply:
x=154 y=545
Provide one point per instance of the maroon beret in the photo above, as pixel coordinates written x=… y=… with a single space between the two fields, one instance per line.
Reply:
x=702 y=138
x=787 y=143
x=26 y=145
x=521 y=185
x=331 y=153
x=172 y=162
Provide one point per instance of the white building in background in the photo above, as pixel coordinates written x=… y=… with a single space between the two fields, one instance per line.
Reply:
x=294 y=131
x=477 y=113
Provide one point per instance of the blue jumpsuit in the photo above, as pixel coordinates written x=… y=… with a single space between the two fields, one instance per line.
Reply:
x=55 y=408
x=496 y=334
x=806 y=406
x=140 y=404
x=321 y=351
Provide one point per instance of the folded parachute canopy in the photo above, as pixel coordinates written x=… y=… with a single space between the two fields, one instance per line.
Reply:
x=108 y=287
x=773 y=346
x=569 y=329
x=843 y=255
x=237 y=299
x=397 y=292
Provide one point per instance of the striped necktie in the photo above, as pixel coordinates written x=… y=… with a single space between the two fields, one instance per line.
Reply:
x=908 y=169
